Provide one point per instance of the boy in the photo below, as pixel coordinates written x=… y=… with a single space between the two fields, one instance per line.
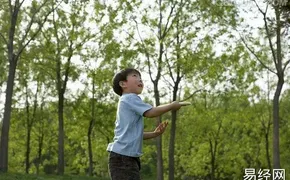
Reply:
x=126 y=148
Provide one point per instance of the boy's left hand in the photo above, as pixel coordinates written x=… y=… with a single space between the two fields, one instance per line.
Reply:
x=161 y=128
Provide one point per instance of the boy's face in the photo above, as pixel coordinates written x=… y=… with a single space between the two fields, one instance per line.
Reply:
x=133 y=84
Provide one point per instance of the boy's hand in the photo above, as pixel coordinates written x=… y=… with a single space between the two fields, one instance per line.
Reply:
x=185 y=103
x=161 y=128
x=177 y=105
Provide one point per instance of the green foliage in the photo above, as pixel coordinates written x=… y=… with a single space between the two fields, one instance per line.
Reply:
x=220 y=135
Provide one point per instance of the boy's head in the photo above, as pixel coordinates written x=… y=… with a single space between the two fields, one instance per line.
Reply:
x=128 y=81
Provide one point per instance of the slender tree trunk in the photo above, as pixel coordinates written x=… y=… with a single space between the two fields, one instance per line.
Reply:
x=174 y=113
x=12 y=58
x=172 y=144
x=91 y=168
x=40 y=144
x=27 y=154
x=276 y=149
x=90 y=150
x=29 y=122
x=60 y=134
x=160 y=175
x=267 y=148
x=267 y=129
x=213 y=148
x=7 y=115
x=172 y=133
x=159 y=154
x=280 y=74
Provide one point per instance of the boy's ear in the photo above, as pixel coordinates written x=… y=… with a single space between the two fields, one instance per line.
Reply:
x=121 y=83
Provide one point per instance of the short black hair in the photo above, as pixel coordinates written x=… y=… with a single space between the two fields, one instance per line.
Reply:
x=122 y=76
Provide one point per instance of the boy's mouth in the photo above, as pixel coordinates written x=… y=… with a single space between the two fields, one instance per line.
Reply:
x=140 y=85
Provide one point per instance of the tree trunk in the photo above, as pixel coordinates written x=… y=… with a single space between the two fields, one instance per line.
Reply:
x=7 y=115
x=280 y=74
x=160 y=175
x=60 y=135
x=29 y=122
x=172 y=133
x=91 y=168
x=267 y=129
x=213 y=148
x=12 y=58
x=40 y=144
x=90 y=151
x=276 y=149
x=27 y=154
x=174 y=113
x=159 y=153
x=172 y=144
x=267 y=148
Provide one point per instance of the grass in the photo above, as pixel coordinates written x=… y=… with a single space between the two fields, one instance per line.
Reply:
x=15 y=176
x=10 y=176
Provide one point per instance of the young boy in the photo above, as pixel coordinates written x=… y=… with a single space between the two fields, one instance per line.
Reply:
x=126 y=148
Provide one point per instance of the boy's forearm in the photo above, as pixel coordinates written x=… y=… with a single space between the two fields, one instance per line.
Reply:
x=149 y=135
x=157 y=111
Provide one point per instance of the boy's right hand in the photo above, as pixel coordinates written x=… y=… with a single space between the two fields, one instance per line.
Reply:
x=175 y=105
x=159 y=110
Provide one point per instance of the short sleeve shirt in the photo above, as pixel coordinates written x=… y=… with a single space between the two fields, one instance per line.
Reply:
x=129 y=126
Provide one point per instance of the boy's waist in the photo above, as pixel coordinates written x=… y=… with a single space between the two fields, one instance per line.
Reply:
x=114 y=154
x=128 y=149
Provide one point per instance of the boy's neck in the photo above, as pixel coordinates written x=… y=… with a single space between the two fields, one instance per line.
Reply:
x=124 y=93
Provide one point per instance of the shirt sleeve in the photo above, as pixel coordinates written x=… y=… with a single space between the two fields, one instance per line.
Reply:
x=137 y=105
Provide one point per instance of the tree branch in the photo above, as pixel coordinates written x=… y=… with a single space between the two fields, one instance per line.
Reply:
x=166 y=28
x=261 y=11
x=28 y=28
x=66 y=74
x=6 y=42
x=256 y=56
x=267 y=30
x=21 y=3
x=169 y=67
x=270 y=41
x=146 y=52
x=37 y=31
x=168 y=82
x=191 y=95
x=286 y=64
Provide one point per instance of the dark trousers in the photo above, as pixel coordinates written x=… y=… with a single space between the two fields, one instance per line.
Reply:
x=124 y=167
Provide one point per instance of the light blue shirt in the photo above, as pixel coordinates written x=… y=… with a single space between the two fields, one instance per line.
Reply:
x=129 y=126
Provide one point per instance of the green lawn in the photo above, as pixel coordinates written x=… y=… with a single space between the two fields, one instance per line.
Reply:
x=8 y=176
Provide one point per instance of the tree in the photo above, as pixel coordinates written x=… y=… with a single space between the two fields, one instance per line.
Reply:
x=156 y=65
x=37 y=16
x=273 y=26
x=70 y=41
x=30 y=118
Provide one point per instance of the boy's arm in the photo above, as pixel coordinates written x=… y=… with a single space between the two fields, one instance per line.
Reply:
x=159 y=110
x=157 y=132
